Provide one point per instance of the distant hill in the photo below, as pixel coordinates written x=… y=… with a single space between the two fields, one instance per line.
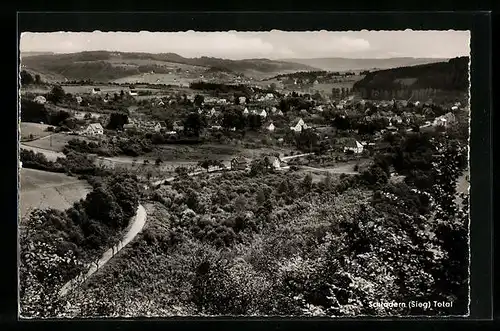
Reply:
x=450 y=77
x=107 y=66
x=27 y=54
x=345 y=64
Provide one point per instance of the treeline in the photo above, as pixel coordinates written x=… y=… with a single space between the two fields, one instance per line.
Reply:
x=313 y=75
x=240 y=89
x=133 y=146
x=29 y=79
x=74 y=163
x=32 y=111
x=446 y=76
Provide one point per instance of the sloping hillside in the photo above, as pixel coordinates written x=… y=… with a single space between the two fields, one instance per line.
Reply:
x=443 y=77
x=107 y=66
x=343 y=64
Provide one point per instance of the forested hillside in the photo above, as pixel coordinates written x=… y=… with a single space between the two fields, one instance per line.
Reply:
x=104 y=66
x=451 y=76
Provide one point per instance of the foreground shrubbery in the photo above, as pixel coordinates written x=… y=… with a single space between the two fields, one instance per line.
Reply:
x=265 y=244
x=55 y=245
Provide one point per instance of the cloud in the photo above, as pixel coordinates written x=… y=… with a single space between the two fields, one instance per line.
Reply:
x=271 y=44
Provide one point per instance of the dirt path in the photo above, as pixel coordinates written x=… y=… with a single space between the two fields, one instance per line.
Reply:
x=133 y=229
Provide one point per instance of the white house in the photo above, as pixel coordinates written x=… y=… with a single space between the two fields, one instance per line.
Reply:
x=242 y=100
x=93 y=129
x=301 y=125
x=454 y=108
x=280 y=113
x=445 y=120
x=79 y=99
x=40 y=99
x=132 y=92
x=263 y=113
x=96 y=90
x=178 y=127
x=271 y=127
x=273 y=110
x=275 y=161
x=129 y=126
x=156 y=127
x=396 y=119
x=245 y=112
x=269 y=96
x=353 y=145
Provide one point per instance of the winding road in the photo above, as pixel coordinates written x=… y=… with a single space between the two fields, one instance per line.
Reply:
x=134 y=228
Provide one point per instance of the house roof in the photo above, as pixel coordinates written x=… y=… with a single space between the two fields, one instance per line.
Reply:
x=95 y=126
x=350 y=142
x=239 y=159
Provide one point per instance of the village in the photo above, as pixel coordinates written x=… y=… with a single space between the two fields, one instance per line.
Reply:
x=349 y=127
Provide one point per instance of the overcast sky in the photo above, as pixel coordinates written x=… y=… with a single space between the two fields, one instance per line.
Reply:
x=273 y=45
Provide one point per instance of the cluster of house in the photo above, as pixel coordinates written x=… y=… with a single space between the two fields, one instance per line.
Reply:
x=140 y=125
x=131 y=91
x=442 y=121
x=262 y=112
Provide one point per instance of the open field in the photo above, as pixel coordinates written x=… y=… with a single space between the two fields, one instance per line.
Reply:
x=54 y=142
x=168 y=79
x=42 y=189
x=30 y=131
x=35 y=89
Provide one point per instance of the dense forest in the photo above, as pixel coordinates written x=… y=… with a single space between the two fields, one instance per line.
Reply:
x=443 y=76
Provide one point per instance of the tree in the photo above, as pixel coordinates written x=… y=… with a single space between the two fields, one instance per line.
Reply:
x=56 y=95
x=181 y=172
x=158 y=162
x=307 y=182
x=233 y=119
x=26 y=78
x=38 y=79
x=193 y=124
x=205 y=164
x=117 y=121
x=192 y=200
x=254 y=122
x=198 y=100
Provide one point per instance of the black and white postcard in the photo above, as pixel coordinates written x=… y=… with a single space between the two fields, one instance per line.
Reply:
x=238 y=173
